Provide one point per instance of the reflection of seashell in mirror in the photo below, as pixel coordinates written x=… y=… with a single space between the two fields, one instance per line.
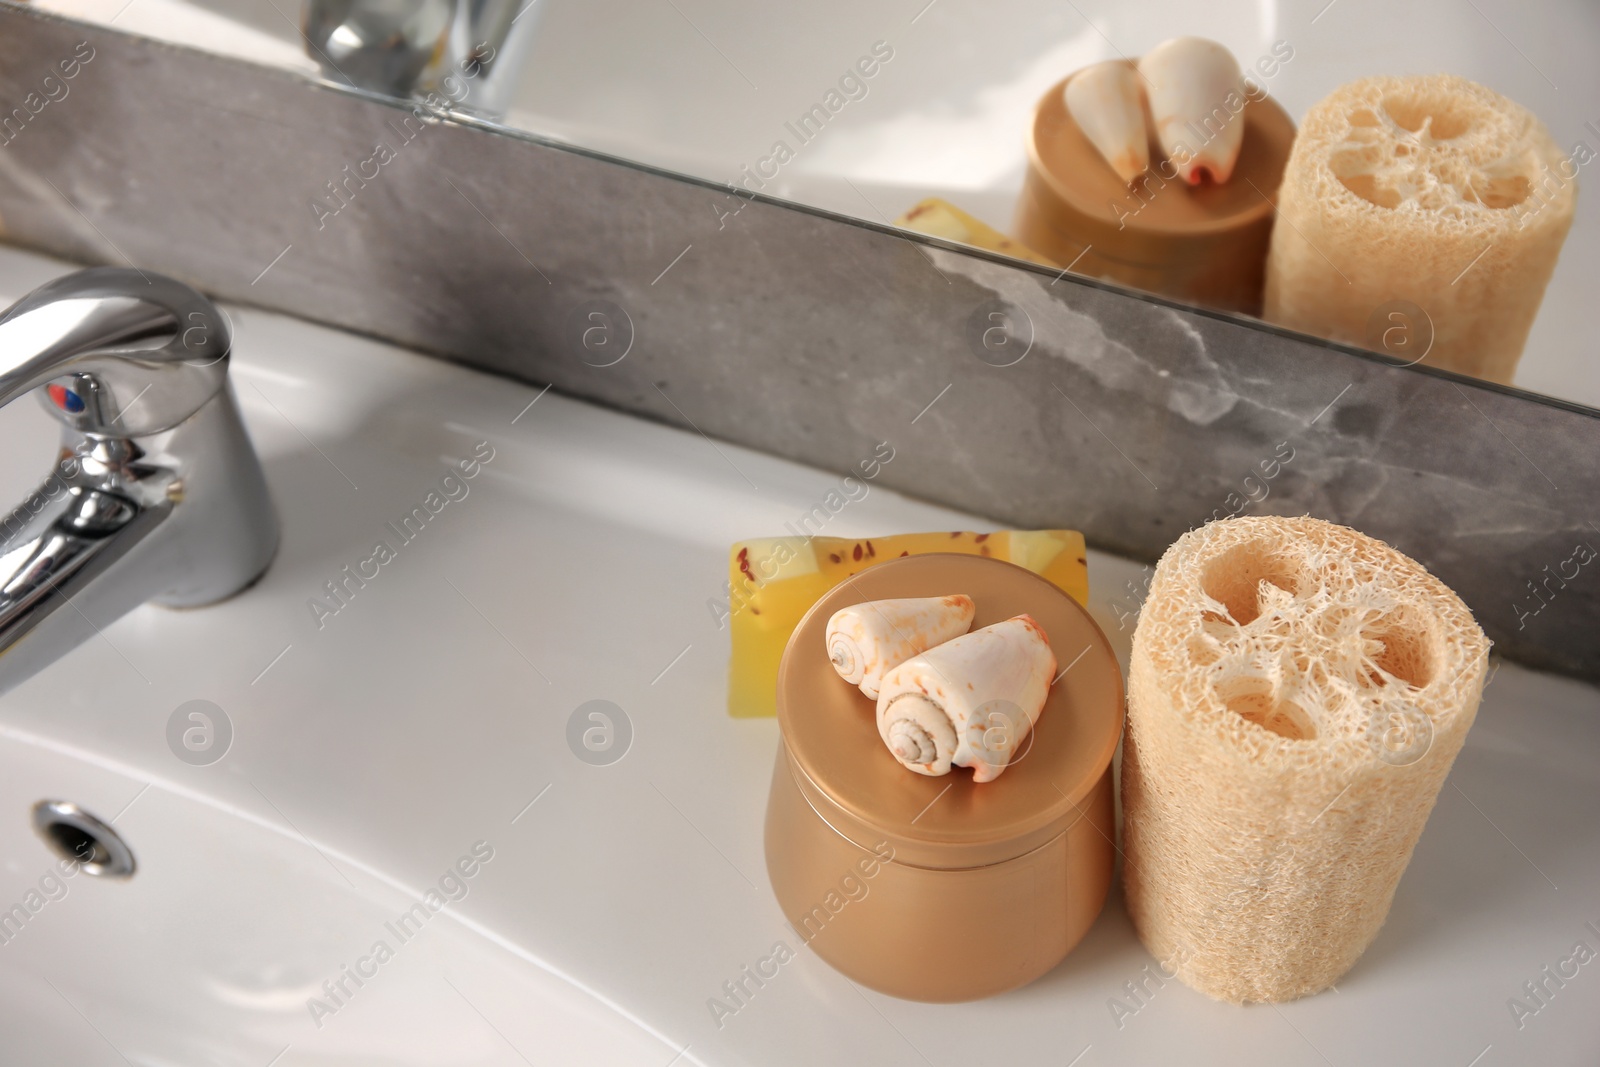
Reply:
x=969 y=702
x=1107 y=104
x=1204 y=244
x=1194 y=87
x=1421 y=217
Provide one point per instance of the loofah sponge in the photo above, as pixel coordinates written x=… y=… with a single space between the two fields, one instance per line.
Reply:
x=1296 y=695
x=1420 y=193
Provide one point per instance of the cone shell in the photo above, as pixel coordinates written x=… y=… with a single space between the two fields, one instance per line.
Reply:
x=1106 y=102
x=1190 y=82
x=969 y=702
x=866 y=640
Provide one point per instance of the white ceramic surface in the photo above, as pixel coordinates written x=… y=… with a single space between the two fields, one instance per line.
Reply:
x=431 y=712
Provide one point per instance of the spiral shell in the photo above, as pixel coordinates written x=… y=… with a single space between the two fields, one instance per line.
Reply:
x=866 y=640
x=969 y=702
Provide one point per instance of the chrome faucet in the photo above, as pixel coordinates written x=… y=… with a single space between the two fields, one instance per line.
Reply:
x=462 y=55
x=156 y=494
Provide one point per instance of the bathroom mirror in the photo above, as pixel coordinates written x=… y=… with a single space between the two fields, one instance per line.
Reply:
x=867 y=110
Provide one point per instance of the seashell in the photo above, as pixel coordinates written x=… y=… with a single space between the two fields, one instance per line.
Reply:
x=1106 y=102
x=866 y=640
x=1188 y=82
x=969 y=702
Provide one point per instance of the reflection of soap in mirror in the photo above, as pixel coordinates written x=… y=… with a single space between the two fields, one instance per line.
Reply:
x=1424 y=217
x=939 y=218
x=1204 y=244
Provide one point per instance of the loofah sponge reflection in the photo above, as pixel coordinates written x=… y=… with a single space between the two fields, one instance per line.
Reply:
x=1430 y=191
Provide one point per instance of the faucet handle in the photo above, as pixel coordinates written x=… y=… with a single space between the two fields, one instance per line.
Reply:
x=158 y=495
x=124 y=353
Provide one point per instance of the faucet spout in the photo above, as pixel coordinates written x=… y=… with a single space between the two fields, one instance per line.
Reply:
x=156 y=494
x=463 y=55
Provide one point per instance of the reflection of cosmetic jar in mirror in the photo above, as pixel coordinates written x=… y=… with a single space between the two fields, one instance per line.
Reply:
x=1204 y=244
x=941 y=888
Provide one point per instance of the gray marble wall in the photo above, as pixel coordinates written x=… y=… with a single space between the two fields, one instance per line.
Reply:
x=1032 y=398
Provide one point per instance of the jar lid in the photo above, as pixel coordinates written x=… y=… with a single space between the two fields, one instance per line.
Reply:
x=842 y=766
x=1156 y=216
x=1156 y=223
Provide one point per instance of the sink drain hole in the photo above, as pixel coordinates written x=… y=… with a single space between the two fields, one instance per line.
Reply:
x=74 y=834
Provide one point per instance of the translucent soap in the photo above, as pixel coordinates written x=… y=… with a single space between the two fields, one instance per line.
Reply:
x=774 y=581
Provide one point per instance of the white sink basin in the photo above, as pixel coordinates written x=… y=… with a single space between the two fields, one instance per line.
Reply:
x=232 y=923
x=374 y=751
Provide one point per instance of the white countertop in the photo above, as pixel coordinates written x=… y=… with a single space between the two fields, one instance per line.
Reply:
x=432 y=709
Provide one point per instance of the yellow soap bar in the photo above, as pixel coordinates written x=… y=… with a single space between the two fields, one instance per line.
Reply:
x=939 y=218
x=773 y=582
